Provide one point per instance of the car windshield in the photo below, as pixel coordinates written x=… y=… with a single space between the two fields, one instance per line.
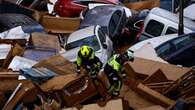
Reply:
x=183 y=41
x=91 y=41
x=171 y=46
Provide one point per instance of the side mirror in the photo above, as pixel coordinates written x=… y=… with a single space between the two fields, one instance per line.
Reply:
x=138 y=24
x=105 y=46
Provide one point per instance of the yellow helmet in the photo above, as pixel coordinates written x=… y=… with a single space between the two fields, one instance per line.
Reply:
x=85 y=51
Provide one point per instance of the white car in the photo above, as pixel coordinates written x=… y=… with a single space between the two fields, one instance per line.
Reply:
x=173 y=49
x=92 y=36
x=161 y=22
x=146 y=49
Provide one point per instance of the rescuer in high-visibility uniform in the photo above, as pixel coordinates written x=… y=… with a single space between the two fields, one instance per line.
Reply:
x=87 y=59
x=113 y=69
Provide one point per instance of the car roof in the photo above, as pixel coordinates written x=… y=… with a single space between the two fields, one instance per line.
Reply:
x=183 y=35
x=189 y=10
x=100 y=15
x=172 y=17
x=156 y=41
x=81 y=33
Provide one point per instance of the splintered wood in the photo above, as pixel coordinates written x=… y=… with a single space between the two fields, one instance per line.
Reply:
x=116 y=104
x=57 y=64
x=145 y=4
x=144 y=68
x=60 y=24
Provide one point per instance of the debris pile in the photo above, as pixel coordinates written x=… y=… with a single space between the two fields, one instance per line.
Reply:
x=38 y=48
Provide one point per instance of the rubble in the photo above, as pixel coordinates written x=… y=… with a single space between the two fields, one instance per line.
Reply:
x=117 y=104
x=18 y=63
x=60 y=24
x=35 y=74
x=145 y=4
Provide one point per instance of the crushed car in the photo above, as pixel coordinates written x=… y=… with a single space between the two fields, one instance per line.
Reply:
x=11 y=20
x=111 y=18
x=93 y=36
x=173 y=49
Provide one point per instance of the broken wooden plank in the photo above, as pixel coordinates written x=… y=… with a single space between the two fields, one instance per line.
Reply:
x=57 y=64
x=16 y=50
x=60 y=24
x=60 y=82
x=157 y=77
x=145 y=4
x=159 y=87
x=21 y=92
x=156 y=107
x=79 y=91
x=45 y=41
x=131 y=73
x=148 y=67
x=117 y=104
x=154 y=96
x=8 y=81
x=136 y=101
x=184 y=87
x=2 y=99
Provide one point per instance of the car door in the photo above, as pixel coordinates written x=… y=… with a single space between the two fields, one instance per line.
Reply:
x=106 y=44
x=115 y=24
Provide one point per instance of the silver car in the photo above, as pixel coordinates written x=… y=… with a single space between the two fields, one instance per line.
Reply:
x=92 y=36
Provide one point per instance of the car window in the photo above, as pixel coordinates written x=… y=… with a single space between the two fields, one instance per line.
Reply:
x=164 y=50
x=171 y=30
x=101 y=36
x=91 y=41
x=154 y=28
x=183 y=41
x=172 y=46
x=114 y=22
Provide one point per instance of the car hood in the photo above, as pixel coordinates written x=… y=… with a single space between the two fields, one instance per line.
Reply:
x=148 y=52
x=153 y=41
x=100 y=15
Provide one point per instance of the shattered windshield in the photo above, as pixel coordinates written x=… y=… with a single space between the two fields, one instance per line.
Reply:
x=91 y=41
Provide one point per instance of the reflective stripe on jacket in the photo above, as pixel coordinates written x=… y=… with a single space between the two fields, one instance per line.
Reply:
x=114 y=64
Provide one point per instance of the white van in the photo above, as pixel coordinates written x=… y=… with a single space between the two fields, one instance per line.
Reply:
x=161 y=22
x=92 y=36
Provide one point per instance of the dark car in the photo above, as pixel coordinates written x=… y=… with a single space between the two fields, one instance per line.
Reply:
x=11 y=20
x=7 y=7
x=110 y=17
x=179 y=51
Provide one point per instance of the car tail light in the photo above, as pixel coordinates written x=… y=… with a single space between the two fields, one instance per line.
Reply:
x=67 y=8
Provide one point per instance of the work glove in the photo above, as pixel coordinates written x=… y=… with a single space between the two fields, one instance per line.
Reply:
x=115 y=93
x=124 y=76
x=78 y=71
x=130 y=54
x=88 y=67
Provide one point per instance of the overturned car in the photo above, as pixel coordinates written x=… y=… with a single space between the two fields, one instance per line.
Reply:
x=111 y=18
x=92 y=36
